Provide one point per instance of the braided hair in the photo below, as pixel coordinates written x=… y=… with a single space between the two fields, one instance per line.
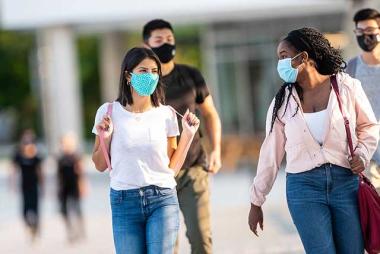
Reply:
x=328 y=61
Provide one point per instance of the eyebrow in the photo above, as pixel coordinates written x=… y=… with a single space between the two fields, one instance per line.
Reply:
x=147 y=68
x=283 y=51
x=370 y=27
x=163 y=36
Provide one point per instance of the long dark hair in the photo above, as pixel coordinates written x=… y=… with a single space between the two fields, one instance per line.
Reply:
x=133 y=58
x=328 y=61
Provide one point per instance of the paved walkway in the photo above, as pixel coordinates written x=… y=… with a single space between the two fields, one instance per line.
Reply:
x=229 y=217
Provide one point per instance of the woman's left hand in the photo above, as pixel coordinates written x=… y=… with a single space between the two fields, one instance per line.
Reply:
x=357 y=164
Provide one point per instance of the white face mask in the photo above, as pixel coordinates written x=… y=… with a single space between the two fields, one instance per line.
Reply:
x=286 y=71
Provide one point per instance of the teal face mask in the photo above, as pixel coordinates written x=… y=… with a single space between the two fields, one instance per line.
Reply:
x=286 y=71
x=144 y=83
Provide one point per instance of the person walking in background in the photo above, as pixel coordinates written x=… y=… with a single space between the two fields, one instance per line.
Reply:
x=140 y=135
x=71 y=187
x=305 y=123
x=185 y=88
x=366 y=68
x=27 y=162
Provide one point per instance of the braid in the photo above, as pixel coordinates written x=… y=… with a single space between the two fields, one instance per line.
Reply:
x=328 y=59
x=290 y=88
x=279 y=100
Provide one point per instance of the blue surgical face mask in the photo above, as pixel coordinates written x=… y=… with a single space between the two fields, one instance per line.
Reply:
x=144 y=83
x=286 y=70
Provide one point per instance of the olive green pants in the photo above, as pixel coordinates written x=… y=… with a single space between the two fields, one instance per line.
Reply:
x=194 y=201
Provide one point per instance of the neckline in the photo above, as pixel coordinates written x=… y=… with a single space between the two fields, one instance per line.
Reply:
x=361 y=60
x=171 y=72
x=136 y=113
x=298 y=101
x=318 y=112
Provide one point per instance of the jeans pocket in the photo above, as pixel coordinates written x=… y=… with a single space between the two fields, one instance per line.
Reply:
x=166 y=191
x=116 y=197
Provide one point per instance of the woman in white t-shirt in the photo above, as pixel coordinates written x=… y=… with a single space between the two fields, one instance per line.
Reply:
x=141 y=138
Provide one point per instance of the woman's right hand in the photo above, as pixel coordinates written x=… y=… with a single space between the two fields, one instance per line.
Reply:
x=106 y=126
x=255 y=217
x=190 y=123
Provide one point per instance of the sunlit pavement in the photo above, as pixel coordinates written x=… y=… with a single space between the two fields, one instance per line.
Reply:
x=230 y=206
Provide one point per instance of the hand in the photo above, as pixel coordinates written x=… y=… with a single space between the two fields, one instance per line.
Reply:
x=255 y=217
x=190 y=123
x=107 y=126
x=357 y=164
x=215 y=162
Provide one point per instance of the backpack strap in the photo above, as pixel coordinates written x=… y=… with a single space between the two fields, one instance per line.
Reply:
x=101 y=138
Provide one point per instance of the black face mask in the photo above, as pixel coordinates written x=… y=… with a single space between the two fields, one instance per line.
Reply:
x=165 y=52
x=368 y=42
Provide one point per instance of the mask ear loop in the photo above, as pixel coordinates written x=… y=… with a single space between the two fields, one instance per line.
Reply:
x=303 y=60
x=297 y=55
x=175 y=111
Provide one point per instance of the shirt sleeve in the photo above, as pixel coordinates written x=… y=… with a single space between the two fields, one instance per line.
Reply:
x=367 y=126
x=172 y=129
x=102 y=110
x=272 y=152
x=201 y=88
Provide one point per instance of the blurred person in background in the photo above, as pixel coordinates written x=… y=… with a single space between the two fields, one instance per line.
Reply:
x=184 y=88
x=27 y=164
x=141 y=138
x=305 y=123
x=366 y=68
x=71 y=187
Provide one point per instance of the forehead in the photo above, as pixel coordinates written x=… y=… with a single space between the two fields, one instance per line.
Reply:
x=147 y=63
x=164 y=32
x=285 y=47
x=367 y=23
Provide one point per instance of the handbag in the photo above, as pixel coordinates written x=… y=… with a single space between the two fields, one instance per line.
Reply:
x=368 y=198
x=102 y=143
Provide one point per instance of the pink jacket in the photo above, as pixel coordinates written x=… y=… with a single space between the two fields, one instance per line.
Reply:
x=292 y=137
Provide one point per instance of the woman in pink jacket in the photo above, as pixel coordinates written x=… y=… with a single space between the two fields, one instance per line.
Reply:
x=305 y=123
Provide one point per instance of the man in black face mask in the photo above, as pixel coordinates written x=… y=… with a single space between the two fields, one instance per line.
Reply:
x=185 y=88
x=366 y=68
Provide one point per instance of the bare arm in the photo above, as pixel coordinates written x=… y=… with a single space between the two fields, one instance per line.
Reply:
x=82 y=183
x=41 y=179
x=13 y=177
x=97 y=154
x=177 y=154
x=78 y=166
x=214 y=131
x=98 y=157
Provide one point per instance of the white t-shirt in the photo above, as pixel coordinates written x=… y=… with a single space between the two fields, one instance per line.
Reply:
x=317 y=123
x=139 y=146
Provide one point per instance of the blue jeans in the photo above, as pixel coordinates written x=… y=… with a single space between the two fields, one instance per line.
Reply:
x=145 y=220
x=323 y=204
